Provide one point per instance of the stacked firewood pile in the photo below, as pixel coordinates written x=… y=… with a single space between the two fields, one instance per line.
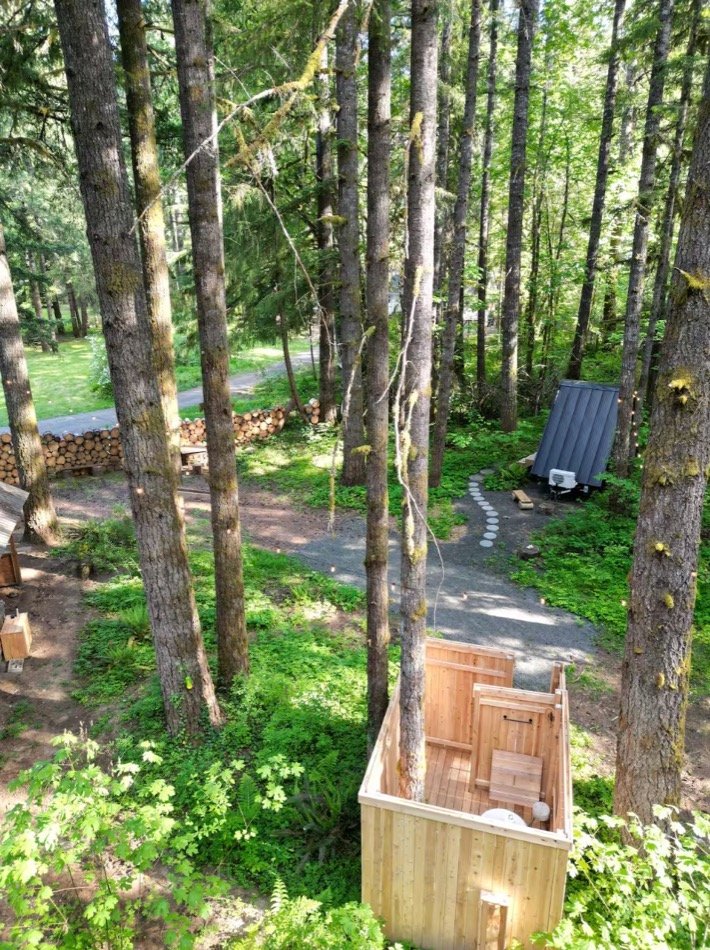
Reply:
x=71 y=453
x=85 y=452
x=249 y=426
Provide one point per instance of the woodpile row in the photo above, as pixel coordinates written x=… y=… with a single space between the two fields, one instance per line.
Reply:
x=99 y=449
x=257 y=424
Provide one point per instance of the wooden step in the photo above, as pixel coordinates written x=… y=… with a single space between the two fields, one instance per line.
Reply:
x=524 y=501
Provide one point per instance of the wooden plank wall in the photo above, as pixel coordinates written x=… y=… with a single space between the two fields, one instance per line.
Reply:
x=424 y=878
x=452 y=670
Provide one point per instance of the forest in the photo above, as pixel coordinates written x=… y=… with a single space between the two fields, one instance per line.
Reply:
x=354 y=452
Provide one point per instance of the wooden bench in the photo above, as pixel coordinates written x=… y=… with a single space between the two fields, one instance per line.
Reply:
x=193 y=456
x=523 y=501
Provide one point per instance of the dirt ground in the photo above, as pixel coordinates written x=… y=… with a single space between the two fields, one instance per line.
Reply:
x=37 y=705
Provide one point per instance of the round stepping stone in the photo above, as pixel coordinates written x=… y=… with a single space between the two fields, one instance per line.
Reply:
x=490 y=535
x=492 y=523
x=486 y=543
x=492 y=513
x=486 y=506
x=474 y=480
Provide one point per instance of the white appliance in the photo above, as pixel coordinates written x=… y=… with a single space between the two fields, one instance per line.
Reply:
x=561 y=482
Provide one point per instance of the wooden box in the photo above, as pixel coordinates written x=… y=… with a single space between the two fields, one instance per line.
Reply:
x=10 y=574
x=16 y=637
x=442 y=873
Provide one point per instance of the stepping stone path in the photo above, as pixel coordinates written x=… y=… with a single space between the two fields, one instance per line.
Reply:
x=492 y=522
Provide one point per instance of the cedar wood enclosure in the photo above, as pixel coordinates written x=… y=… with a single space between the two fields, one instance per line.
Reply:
x=437 y=873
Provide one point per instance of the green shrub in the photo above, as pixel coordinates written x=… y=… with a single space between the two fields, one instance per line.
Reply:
x=586 y=559
x=653 y=892
x=78 y=856
x=303 y=924
x=99 y=375
x=507 y=478
x=107 y=545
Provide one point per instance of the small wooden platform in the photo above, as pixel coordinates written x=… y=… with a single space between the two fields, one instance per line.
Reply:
x=523 y=501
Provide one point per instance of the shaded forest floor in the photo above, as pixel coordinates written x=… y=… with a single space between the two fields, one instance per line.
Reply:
x=39 y=704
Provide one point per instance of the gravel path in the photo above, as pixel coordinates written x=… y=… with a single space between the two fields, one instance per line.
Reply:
x=469 y=599
x=240 y=385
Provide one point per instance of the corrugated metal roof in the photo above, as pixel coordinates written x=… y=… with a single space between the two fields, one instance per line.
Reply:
x=580 y=431
x=11 y=501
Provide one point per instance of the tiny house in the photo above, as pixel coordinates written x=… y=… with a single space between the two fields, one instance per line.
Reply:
x=482 y=861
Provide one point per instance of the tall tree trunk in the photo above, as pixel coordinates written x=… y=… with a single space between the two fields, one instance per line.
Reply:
x=73 y=311
x=151 y=228
x=660 y=283
x=39 y=515
x=58 y=318
x=533 y=283
x=413 y=435
x=51 y=325
x=348 y=245
x=628 y=120
x=458 y=250
x=625 y=442
x=37 y=306
x=282 y=321
x=195 y=62
x=574 y=368
x=535 y=240
x=484 y=220
x=527 y=23
x=443 y=135
x=654 y=688
x=442 y=224
x=326 y=280
x=184 y=674
x=377 y=378
x=84 y=309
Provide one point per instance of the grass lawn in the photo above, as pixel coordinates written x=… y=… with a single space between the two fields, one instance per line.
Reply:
x=61 y=383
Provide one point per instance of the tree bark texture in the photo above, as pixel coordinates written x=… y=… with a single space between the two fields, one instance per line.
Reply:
x=58 y=318
x=84 y=310
x=527 y=23
x=443 y=134
x=151 y=228
x=39 y=514
x=74 y=311
x=195 y=63
x=458 y=249
x=327 y=356
x=584 y=313
x=415 y=386
x=184 y=674
x=377 y=378
x=656 y=664
x=484 y=220
x=353 y=472
x=626 y=128
x=660 y=282
x=627 y=422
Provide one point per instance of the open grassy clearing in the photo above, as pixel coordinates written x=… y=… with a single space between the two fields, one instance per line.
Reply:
x=62 y=382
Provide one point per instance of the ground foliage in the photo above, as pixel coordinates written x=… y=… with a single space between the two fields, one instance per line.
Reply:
x=589 y=551
x=270 y=801
x=304 y=460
